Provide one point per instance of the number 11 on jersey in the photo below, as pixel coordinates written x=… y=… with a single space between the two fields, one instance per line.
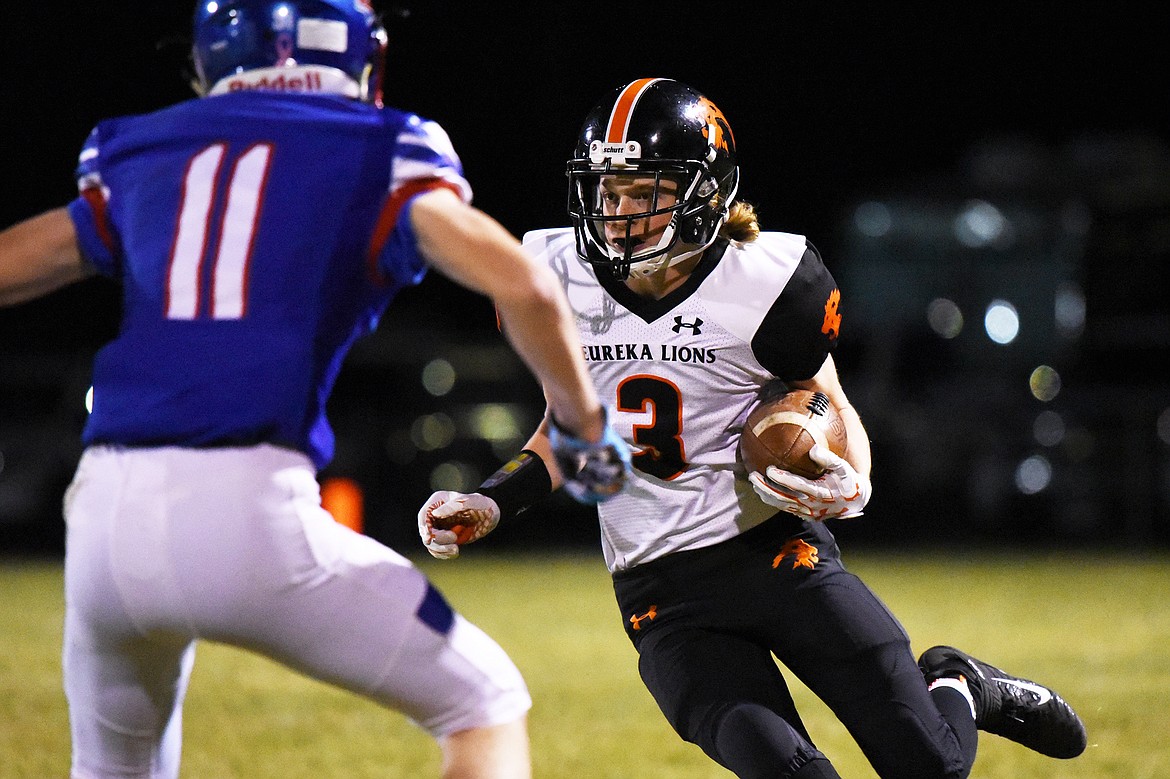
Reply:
x=201 y=199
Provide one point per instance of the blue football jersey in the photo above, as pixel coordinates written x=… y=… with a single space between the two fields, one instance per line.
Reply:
x=255 y=236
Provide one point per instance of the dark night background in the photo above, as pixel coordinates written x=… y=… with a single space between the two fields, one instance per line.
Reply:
x=1052 y=113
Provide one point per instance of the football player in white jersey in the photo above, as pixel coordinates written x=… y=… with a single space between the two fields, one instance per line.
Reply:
x=257 y=231
x=688 y=314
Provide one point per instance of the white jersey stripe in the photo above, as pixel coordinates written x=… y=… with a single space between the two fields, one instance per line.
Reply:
x=190 y=240
x=238 y=234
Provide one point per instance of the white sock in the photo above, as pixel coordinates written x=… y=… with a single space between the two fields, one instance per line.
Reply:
x=956 y=684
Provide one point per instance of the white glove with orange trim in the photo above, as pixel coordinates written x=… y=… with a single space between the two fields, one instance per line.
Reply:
x=839 y=494
x=450 y=519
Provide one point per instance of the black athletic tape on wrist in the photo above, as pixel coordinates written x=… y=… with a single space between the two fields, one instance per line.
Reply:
x=519 y=483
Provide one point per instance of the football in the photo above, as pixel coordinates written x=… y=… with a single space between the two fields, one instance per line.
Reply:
x=463 y=533
x=780 y=431
x=466 y=524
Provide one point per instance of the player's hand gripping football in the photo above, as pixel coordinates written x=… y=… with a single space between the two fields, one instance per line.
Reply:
x=840 y=493
x=593 y=472
x=450 y=519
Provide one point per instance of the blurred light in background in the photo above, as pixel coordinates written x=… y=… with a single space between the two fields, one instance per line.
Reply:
x=1070 y=310
x=944 y=318
x=342 y=497
x=1048 y=428
x=505 y=426
x=1164 y=426
x=432 y=431
x=454 y=475
x=981 y=224
x=438 y=377
x=496 y=422
x=89 y=401
x=873 y=219
x=1044 y=383
x=977 y=296
x=1001 y=322
x=1034 y=474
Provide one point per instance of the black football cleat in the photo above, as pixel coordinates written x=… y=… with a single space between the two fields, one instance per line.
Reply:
x=1017 y=709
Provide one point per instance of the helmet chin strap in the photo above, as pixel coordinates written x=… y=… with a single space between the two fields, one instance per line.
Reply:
x=649 y=267
x=644 y=268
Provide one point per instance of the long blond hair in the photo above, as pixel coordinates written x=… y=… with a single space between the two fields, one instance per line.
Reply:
x=741 y=225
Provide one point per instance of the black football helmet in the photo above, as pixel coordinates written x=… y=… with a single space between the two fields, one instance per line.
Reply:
x=653 y=127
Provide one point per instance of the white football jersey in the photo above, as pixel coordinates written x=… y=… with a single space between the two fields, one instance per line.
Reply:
x=681 y=373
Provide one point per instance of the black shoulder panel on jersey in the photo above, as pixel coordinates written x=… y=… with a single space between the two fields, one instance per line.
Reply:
x=801 y=327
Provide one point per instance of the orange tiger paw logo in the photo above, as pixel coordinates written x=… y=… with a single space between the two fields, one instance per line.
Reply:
x=802 y=552
x=832 y=324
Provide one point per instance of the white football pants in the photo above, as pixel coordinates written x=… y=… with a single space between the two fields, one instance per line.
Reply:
x=167 y=545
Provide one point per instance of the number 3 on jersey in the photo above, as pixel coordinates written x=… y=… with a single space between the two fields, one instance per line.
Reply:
x=202 y=199
x=662 y=454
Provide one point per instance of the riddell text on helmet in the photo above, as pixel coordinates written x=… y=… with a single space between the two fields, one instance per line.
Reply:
x=303 y=82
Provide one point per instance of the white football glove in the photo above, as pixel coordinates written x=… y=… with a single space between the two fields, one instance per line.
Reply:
x=839 y=494
x=471 y=517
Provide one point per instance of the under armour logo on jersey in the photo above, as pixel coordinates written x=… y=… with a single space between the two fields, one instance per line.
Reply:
x=679 y=325
x=636 y=620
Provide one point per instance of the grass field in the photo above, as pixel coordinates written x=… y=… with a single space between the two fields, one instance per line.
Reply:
x=1095 y=626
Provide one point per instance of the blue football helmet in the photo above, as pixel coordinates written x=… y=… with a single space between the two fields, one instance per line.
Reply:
x=333 y=45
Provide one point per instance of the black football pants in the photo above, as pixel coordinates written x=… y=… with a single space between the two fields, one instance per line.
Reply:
x=707 y=622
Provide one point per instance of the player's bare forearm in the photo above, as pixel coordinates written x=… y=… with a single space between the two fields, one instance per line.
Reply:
x=858 y=454
x=38 y=256
x=539 y=443
x=828 y=382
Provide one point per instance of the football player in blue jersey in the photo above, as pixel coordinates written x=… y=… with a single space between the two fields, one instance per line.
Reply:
x=688 y=314
x=257 y=231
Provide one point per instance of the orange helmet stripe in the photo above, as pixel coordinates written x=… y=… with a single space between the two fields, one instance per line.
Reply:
x=623 y=109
